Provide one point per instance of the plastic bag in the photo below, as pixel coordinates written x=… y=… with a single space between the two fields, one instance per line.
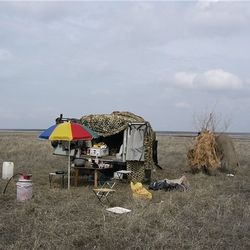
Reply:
x=139 y=191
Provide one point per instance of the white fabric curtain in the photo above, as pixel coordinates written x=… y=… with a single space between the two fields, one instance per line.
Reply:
x=135 y=142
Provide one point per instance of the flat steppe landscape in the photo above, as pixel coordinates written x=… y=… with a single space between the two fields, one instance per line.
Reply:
x=213 y=214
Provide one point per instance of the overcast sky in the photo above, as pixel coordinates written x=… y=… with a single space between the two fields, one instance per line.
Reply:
x=169 y=62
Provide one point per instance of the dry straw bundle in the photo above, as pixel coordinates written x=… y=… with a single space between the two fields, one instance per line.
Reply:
x=204 y=153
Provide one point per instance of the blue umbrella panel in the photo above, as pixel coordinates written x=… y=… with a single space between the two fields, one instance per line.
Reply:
x=46 y=133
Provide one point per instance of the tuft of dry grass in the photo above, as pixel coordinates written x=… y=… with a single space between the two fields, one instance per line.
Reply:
x=213 y=214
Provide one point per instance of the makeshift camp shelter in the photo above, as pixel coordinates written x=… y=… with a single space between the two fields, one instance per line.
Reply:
x=131 y=141
x=124 y=140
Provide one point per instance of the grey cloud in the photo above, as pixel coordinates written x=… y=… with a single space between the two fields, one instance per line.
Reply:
x=220 y=18
x=92 y=57
x=5 y=55
x=215 y=79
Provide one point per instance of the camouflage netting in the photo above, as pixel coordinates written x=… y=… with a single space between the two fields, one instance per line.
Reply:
x=204 y=155
x=110 y=124
x=137 y=170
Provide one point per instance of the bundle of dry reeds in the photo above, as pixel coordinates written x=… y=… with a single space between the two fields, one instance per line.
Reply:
x=204 y=155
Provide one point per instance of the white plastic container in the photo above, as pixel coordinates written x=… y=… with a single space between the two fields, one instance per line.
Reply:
x=99 y=152
x=23 y=190
x=8 y=169
x=118 y=176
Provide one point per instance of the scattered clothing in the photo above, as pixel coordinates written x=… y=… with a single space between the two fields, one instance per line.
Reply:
x=180 y=184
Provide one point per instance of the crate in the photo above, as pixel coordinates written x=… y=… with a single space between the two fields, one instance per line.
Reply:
x=99 y=152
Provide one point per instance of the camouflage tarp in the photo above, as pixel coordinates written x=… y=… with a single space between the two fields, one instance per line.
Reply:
x=110 y=124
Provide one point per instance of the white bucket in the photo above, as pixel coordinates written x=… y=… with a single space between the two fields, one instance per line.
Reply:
x=8 y=168
x=24 y=190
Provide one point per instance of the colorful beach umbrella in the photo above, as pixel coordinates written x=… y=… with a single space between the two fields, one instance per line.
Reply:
x=68 y=131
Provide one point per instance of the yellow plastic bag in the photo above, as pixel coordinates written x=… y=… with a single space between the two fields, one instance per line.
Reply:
x=139 y=191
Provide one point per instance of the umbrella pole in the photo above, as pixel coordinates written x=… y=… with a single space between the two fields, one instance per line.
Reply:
x=69 y=169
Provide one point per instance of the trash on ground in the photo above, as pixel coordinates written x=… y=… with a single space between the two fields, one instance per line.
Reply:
x=118 y=210
x=181 y=184
x=139 y=191
x=231 y=175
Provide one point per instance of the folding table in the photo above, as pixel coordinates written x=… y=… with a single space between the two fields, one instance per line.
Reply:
x=96 y=171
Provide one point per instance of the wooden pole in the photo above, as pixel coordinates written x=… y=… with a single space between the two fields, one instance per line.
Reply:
x=95 y=178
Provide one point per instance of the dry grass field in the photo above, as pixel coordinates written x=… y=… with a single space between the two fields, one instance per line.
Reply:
x=213 y=214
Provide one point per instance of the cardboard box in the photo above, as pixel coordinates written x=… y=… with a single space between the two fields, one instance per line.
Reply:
x=99 y=152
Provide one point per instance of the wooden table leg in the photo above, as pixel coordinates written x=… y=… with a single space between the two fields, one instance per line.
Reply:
x=76 y=176
x=95 y=178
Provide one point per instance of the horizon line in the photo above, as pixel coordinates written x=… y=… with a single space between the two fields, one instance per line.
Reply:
x=157 y=131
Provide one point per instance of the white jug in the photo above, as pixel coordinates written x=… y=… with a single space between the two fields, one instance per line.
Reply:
x=8 y=169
